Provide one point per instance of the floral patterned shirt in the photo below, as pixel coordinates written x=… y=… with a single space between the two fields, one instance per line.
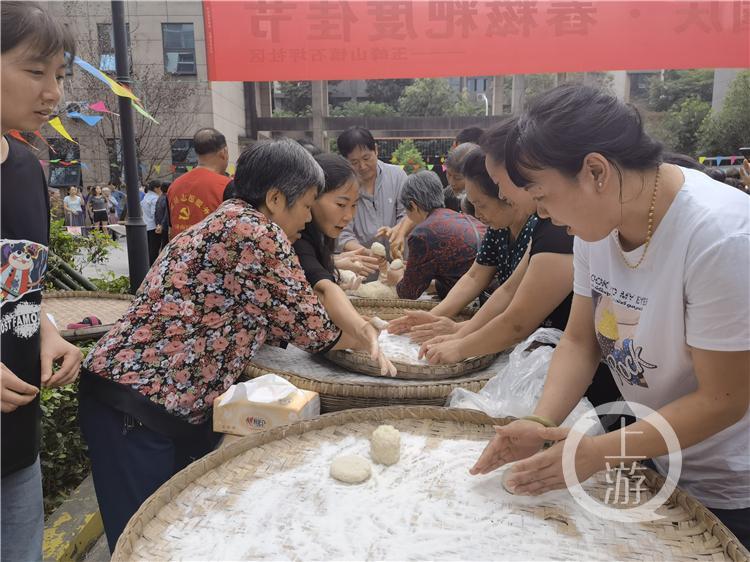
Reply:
x=217 y=293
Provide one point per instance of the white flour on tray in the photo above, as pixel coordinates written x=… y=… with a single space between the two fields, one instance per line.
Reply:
x=425 y=507
x=400 y=348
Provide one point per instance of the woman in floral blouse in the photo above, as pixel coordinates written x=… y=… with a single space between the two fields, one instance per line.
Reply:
x=217 y=293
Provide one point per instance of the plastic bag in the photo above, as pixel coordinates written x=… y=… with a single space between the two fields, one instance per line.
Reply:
x=517 y=388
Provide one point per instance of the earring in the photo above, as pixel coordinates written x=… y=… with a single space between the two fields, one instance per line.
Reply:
x=600 y=184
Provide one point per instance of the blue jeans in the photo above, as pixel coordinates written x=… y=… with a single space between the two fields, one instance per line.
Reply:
x=130 y=461
x=22 y=514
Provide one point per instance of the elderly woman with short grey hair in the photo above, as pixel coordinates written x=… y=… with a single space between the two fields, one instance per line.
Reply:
x=217 y=292
x=442 y=245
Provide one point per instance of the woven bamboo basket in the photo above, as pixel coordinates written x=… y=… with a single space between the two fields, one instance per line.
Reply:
x=68 y=307
x=269 y=496
x=342 y=389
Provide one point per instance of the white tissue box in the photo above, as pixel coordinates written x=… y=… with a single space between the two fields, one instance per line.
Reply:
x=263 y=403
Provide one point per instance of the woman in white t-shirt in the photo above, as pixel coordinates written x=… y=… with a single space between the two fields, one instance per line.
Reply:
x=662 y=262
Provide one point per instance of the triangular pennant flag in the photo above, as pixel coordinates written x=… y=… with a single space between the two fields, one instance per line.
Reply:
x=38 y=134
x=232 y=169
x=43 y=162
x=57 y=125
x=101 y=107
x=142 y=111
x=702 y=159
x=84 y=166
x=90 y=120
x=718 y=160
x=401 y=166
x=732 y=160
x=19 y=137
x=444 y=168
x=189 y=168
x=157 y=167
x=116 y=87
x=430 y=166
x=54 y=161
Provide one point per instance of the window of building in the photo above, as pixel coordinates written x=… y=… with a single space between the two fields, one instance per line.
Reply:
x=106 y=40
x=63 y=173
x=179 y=48
x=183 y=156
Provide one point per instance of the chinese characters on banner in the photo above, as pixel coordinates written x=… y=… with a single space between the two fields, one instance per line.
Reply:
x=338 y=40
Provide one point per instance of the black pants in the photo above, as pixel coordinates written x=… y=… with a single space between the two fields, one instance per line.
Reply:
x=154 y=245
x=129 y=461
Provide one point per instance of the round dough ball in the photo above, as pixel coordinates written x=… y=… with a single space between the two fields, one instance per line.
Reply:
x=351 y=469
x=397 y=264
x=377 y=249
x=385 y=445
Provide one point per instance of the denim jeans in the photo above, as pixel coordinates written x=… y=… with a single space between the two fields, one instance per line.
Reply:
x=22 y=514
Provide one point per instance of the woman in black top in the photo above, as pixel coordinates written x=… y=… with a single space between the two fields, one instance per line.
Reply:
x=538 y=294
x=332 y=211
x=98 y=205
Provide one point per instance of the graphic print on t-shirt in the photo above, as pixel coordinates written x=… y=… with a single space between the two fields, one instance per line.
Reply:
x=22 y=268
x=616 y=319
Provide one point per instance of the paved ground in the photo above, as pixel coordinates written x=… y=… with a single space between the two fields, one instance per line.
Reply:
x=117 y=263
x=99 y=552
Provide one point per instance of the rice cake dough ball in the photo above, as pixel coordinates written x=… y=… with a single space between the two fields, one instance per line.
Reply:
x=377 y=249
x=397 y=264
x=351 y=469
x=385 y=445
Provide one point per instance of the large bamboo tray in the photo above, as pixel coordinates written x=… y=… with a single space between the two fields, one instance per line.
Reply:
x=68 y=307
x=343 y=388
x=268 y=496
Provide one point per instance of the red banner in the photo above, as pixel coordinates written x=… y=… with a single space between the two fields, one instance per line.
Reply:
x=357 y=39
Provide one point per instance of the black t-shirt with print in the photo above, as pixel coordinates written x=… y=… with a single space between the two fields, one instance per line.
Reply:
x=25 y=236
x=548 y=238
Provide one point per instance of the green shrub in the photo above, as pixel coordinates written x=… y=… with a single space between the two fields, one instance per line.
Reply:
x=63 y=455
x=112 y=283
x=407 y=155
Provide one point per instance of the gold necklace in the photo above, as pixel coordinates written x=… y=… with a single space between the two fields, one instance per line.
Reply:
x=649 y=230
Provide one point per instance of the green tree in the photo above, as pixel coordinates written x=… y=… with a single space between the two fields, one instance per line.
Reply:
x=678 y=85
x=682 y=124
x=387 y=91
x=408 y=156
x=427 y=97
x=466 y=105
x=724 y=132
x=353 y=108
x=296 y=99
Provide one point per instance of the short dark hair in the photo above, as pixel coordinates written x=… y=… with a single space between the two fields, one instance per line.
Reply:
x=563 y=125
x=153 y=184
x=354 y=137
x=469 y=134
x=282 y=164
x=475 y=170
x=208 y=141
x=27 y=22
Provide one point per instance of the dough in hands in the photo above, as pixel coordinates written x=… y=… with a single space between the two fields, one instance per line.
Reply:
x=385 y=445
x=376 y=290
x=377 y=249
x=397 y=264
x=351 y=469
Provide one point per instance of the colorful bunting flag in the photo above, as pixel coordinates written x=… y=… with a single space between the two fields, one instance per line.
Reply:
x=142 y=111
x=430 y=166
x=116 y=87
x=18 y=136
x=157 y=167
x=232 y=169
x=702 y=159
x=90 y=120
x=57 y=125
x=189 y=168
x=101 y=107
x=38 y=134
x=444 y=168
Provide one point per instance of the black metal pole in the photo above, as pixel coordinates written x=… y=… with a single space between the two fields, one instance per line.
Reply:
x=135 y=228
